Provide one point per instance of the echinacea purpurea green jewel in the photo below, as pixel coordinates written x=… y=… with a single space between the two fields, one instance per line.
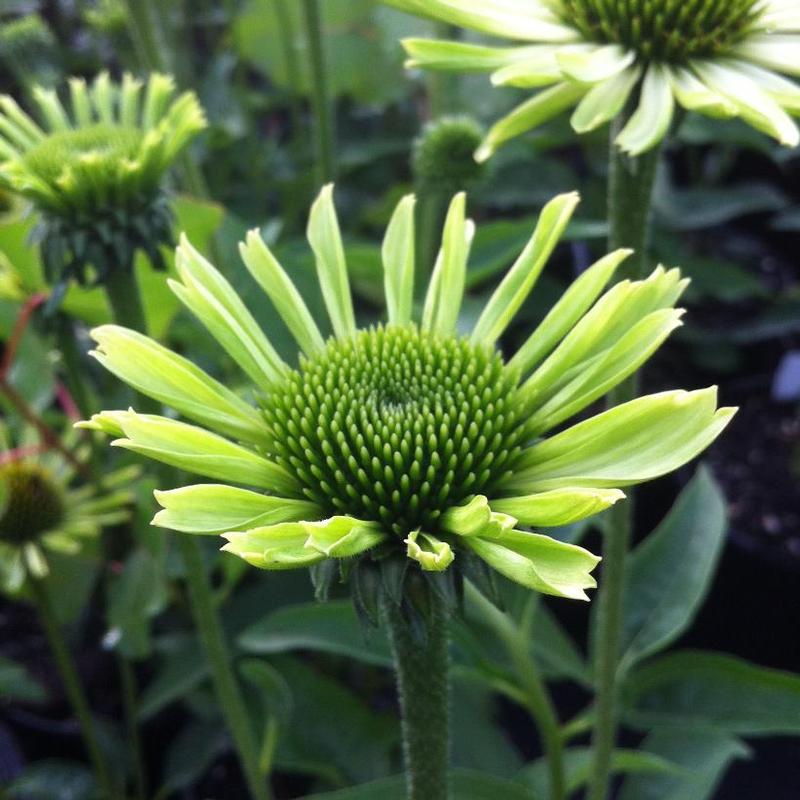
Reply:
x=411 y=439
x=722 y=58
x=94 y=170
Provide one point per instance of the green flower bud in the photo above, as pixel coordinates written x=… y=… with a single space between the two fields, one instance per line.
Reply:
x=443 y=157
x=33 y=503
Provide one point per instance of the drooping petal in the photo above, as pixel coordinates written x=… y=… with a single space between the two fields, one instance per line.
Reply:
x=325 y=239
x=342 y=537
x=595 y=64
x=398 y=262
x=774 y=51
x=520 y=279
x=273 y=547
x=476 y=518
x=539 y=562
x=694 y=95
x=171 y=379
x=572 y=305
x=539 y=109
x=604 y=101
x=650 y=122
x=628 y=444
x=515 y=19
x=280 y=289
x=753 y=104
x=558 y=506
x=212 y=508
x=446 y=288
x=432 y=554
x=782 y=90
x=538 y=68
x=199 y=451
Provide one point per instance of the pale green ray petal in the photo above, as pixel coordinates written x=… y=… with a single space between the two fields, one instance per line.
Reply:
x=199 y=451
x=540 y=108
x=446 y=288
x=432 y=554
x=539 y=562
x=775 y=51
x=596 y=64
x=213 y=508
x=630 y=443
x=280 y=289
x=158 y=93
x=130 y=93
x=215 y=303
x=598 y=377
x=342 y=537
x=102 y=94
x=273 y=547
x=515 y=19
x=753 y=103
x=694 y=95
x=604 y=101
x=51 y=109
x=520 y=279
x=17 y=125
x=325 y=239
x=398 y=262
x=558 y=506
x=171 y=379
x=539 y=68
x=463 y=56
x=476 y=518
x=80 y=102
x=650 y=122
x=572 y=305
x=783 y=91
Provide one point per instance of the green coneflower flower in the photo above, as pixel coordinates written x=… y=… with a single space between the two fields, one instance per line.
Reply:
x=717 y=57
x=95 y=172
x=43 y=507
x=411 y=438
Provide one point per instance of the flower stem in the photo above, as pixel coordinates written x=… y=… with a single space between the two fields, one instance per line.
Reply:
x=423 y=687
x=516 y=639
x=212 y=635
x=292 y=67
x=71 y=360
x=320 y=92
x=630 y=192
x=72 y=685
x=128 y=684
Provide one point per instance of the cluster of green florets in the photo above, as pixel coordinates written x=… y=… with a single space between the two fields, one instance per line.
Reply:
x=396 y=425
x=33 y=504
x=664 y=30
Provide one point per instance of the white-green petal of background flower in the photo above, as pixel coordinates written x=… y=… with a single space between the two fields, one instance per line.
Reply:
x=721 y=59
x=409 y=439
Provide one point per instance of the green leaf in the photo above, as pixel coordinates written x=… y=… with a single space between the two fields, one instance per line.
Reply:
x=669 y=573
x=714 y=691
x=467 y=784
x=274 y=693
x=134 y=599
x=53 y=778
x=191 y=753
x=704 y=756
x=578 y=766
x=17 y=684
x=331 y=627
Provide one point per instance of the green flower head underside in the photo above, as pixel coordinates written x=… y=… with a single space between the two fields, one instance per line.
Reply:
x=110 y=145
x=42 y=508
x=411 y=438
x=722 y=58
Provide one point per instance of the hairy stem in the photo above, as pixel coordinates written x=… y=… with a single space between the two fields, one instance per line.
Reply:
x=208 y=625
x=630 y=191
x=320 y=92
x=423 y=687
x=72 y=685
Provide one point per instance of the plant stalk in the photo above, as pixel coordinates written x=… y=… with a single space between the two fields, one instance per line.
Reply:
x=630 y=194
x=207 y=622
x=128 y=685
x=72 y=685
x=320 y=92
x=292 y=66
x=423 y=688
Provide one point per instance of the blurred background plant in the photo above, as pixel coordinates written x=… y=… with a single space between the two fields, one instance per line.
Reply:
x=721 y=587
